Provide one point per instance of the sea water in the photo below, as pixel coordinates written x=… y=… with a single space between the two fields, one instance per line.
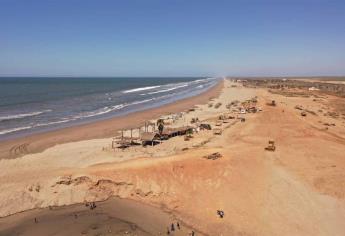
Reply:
x=29 y=104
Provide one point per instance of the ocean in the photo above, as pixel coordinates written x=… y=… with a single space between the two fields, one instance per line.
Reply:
x=30 y=105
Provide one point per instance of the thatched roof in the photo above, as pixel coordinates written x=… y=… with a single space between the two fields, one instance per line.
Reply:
x=205 y=126
x=170 y=131
x=149 y=136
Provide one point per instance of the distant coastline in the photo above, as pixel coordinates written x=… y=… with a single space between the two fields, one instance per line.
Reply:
x=102 y=128
x=35 y=105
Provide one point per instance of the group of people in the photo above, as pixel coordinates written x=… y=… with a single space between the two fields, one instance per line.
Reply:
x=92 y=205
x=220 y=213
x=172 y=228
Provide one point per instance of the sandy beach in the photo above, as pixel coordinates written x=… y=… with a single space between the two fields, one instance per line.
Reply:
x=297 y=189
x=99 y=129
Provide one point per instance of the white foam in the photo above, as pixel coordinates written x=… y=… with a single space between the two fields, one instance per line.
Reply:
x=140 y=89
x=6 y=131
x=53 y=122
x=101 y=111
x=198 y=80
x=167 y=90
x=19 y=116
x=202 y=80
x=142 y=101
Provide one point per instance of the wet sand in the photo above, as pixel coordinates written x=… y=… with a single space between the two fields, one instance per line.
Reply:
x=112 y=217
x=99 y=129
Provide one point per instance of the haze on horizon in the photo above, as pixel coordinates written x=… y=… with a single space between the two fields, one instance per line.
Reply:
x=172 y=38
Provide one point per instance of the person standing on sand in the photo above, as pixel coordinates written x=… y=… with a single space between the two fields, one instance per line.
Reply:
x=178 y=225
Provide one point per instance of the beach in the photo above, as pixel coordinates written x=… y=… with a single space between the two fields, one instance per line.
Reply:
x=98 y=129
x=296 y=189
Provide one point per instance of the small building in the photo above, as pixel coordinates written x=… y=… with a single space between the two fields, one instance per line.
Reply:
x=313 y=89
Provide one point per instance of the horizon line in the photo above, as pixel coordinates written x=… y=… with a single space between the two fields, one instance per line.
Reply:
x=178 y=76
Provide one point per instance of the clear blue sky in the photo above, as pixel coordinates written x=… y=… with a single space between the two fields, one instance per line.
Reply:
x=171 y=38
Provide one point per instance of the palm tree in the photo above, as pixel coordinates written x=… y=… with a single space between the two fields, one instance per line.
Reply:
x=160 y=125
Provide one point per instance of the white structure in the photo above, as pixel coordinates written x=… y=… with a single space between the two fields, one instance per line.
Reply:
x=313 y=89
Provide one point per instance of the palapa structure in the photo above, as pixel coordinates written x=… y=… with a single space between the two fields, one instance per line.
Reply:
x=149 y=138
x=124 y=141
x=172 y=132
x=150 y=135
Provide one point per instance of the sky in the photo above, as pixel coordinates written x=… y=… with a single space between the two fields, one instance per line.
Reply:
x=172 y=38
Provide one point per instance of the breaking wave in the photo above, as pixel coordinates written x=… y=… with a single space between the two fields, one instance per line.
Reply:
x=6 y=131
x=167 y=90
x=162 y=91
x=20 y=116
x=140 y=89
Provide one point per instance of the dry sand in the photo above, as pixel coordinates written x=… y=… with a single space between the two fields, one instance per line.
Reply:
x=100 y=129
x=297 y=190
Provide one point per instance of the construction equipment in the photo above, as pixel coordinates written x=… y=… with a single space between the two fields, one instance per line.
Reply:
x=271 y=147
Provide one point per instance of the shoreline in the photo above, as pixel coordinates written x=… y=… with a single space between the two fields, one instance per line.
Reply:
x=190 y=180
x=36 y=143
